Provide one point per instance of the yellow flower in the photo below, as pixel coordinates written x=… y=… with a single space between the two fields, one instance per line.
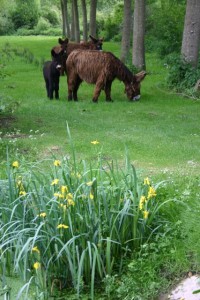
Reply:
x=95 y=142
x=36 y=265
x=42 y=215
x=70 y=202
x=15 y=164
x=57 y=163
x=63 y=206
x=64 y=189
x=62 y=226
x=78 y=175
x=35 y=249
x=89 y=183
x=146 y=181
x=69 y=196
x=91 y=196
x=22 y=193
x=55 y=181
x=145 y=214
x=142 y=200
x=151 y=192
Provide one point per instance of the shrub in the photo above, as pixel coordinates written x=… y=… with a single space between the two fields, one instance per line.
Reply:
x=110 y=27
x=25 y=15
x=164 y=27
x=51 y=14
x=182 y=76
x=42 y=25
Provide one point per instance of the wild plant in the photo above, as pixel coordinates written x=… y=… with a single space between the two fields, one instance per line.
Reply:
x=75 y=224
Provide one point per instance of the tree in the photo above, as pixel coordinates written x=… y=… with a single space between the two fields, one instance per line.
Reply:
x=65 y=19
x=126 y=34
x=84 y=12
x=138 y=35
x=93 y=9
x=76 y=21
x=191 y=33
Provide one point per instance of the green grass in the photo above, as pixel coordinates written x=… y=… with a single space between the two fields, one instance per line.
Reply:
x=160 y=133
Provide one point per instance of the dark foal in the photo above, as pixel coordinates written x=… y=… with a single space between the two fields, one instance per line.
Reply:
x=51 y=73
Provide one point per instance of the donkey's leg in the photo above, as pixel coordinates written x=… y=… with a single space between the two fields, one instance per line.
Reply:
x=78 y=82
x=51 y=89
x=47 y=86
x=108 y=90
x=56 y=85
x=99 y=86
x=71 y=83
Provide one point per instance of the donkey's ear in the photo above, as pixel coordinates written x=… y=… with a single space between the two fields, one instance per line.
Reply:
x=60 y=41
x=93 y=39
x=140 y=76
x=53 y=53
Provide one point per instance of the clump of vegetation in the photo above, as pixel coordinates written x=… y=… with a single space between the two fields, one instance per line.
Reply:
x=76 y=225
x=182 y=76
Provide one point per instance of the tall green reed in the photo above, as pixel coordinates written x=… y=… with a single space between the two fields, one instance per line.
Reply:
x=75 y=224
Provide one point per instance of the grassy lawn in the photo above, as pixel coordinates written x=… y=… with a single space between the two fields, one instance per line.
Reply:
x=160 y=133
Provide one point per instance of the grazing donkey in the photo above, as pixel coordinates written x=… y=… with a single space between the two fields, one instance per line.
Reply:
x=100 y=68
x=93 y=44
x=51 y=73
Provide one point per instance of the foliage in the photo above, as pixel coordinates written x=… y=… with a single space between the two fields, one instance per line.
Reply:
x=76 y=224
x=110 y=27
x=52 y=14
x=25 y=14
x=164 y=27
x=182 y=75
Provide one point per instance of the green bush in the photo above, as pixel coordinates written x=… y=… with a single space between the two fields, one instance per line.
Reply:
x=42 y=25
x=51 y=14
x=111 y=26
x=182 y=76
x=164 y=27
x=6 y=24
x=25 y=15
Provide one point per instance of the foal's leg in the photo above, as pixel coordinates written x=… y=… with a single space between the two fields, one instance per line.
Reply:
x=56 y=85
x=51 y=89
x=47 y=87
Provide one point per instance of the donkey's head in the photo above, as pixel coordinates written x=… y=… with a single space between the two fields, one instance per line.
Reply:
x=97 y=43
x=132 y=88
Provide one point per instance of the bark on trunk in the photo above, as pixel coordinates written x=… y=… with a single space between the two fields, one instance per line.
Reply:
x=93 y=8
x=138 y=35
x=126 y=34
x=191 y=33
x=85 y=29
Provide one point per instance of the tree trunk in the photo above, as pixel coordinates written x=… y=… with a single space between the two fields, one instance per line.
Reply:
x=65 y=19
x=72 y=22
x=85 y=29
x=93 y=8
x=191 y=33
x=76 y=22
x=138 y=35
x=126 y=34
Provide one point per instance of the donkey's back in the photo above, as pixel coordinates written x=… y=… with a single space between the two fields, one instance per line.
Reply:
x=92 y=65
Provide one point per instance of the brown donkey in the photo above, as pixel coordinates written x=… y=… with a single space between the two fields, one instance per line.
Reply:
x=100 y=68
x=68 y=47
